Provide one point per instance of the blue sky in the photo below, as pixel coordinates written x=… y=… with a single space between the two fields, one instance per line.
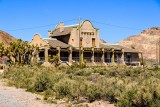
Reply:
x=116 y=19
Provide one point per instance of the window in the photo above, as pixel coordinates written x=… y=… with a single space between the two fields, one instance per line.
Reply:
x=93 y=42
x=80 y=42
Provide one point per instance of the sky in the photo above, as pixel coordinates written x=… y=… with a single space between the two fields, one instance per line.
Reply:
x=115 y=19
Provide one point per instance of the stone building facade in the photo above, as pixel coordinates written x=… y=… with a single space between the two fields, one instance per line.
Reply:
x=81 y=42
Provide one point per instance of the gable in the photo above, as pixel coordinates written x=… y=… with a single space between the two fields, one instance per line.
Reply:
x=38 y=41
x=87 y=25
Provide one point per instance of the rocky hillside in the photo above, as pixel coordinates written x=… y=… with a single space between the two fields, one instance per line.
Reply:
x=144 y=42
x=103 y=41
x=6 y=38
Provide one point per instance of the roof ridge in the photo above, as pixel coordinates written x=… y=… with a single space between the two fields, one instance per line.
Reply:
x=73 y=25
x=50 y=38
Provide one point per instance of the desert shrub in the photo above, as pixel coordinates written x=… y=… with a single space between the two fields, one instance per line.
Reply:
x=20 y=77
x=43 y=82
x=93 y=92
x=55 y=60
x=127 y=98
x=124 y=86
x=70 y=88
x=62 y=88
x=49 y=95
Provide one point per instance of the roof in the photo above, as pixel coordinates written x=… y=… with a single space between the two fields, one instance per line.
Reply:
x=54 y=43
x=105 y=45
x=67 y=31
x=56 y=32
x=117 y=47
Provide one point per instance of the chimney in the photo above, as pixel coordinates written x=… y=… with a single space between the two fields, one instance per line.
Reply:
x=60 y=26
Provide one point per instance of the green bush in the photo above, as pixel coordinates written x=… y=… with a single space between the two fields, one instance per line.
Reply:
x=43 y=82
x=56 y=60
x=124 y=86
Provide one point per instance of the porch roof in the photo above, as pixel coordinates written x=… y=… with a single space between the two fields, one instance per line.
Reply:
x=118 y=47
x=55 y=43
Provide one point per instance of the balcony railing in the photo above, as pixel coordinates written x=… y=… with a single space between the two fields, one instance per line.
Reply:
x=64 y=58
x=128 y=60
x=107 y=59
x=118 y=60
x=75 y=59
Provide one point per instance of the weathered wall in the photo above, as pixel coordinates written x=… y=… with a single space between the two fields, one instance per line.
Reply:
x=38 y=41
x=87 y=32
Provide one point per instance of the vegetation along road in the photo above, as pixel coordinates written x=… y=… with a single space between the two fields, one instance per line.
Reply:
x=13 y=97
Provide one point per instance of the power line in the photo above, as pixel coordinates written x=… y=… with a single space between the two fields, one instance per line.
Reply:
x=124 y=27
x=38 y=26
x=107 y=24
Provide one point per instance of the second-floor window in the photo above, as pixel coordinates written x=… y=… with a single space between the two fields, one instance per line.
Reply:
x=80 y=42
x=93 y=42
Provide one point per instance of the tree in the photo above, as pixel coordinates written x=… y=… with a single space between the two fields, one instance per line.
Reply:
x=20 y=51
x=1 y=49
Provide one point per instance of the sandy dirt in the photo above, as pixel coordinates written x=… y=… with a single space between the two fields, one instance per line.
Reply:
x=13 y=97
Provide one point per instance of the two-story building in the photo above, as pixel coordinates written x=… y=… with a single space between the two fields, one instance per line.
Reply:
x=81 y=42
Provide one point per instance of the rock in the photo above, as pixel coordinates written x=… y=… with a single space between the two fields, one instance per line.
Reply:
x=144 y=42
x=6 y=38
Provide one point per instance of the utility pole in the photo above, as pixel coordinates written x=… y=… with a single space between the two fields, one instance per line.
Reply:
x=159 y=49
x=156 y=53
x=79 y=40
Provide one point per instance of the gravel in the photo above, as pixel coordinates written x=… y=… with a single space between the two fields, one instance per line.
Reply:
x=13 y=97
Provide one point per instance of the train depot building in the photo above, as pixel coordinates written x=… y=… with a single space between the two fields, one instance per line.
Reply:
x=81 y=42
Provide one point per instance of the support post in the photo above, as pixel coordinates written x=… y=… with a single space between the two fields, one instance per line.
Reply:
x=70 y=55
x=46 y=63
x=122 y=56
x=38 y=58
x=58 y=51
x=81 y=55
x=102 y=57
x=112 y=59
x=142 y=60
x=92 y=58
x=46 y=54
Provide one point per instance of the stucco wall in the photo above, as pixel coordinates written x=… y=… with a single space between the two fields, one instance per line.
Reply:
x=38 y=41
x=87 y=32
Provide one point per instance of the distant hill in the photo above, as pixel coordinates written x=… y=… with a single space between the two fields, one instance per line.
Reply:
x=103 y=41
x=6 y=38
x=144 y=42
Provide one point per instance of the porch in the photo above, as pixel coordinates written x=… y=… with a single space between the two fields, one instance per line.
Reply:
x=92 y=56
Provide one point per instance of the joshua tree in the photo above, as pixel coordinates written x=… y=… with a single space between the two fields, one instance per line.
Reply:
x=1 y=49
x=19 y=51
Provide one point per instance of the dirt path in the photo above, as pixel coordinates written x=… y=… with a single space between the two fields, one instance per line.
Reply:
x=13 y=97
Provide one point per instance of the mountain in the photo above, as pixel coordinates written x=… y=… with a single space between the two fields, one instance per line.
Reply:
x=103 y=41
x=6 y=38
x=144 y=42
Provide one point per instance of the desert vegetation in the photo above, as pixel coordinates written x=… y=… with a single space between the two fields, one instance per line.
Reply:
x=19 y=52
x=121 y=85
